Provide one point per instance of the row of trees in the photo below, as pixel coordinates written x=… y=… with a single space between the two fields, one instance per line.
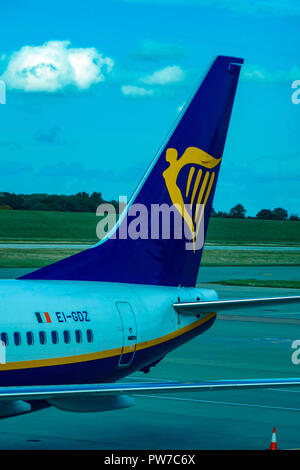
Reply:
x=83 y=202
x=80 y=202
x=239 y=212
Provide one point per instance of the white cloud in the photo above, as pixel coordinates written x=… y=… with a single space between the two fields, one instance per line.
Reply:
x=165 y=76
x=259 y=74
x=136 y=91
x=54 y=66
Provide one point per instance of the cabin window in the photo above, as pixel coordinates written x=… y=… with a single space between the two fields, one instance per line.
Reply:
x=89 y=336
x=17 y=338
x=29 y=337
x=4 y=338
x=78 y=336
x=67 y=337
x=42 y=337
x=54 y=336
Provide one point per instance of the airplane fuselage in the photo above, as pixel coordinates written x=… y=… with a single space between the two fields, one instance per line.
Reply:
x=67 y=332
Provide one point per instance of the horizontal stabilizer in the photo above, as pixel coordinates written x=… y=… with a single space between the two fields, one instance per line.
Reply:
x=195 y=308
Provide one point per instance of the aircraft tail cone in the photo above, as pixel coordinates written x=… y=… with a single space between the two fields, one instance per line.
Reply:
x=273 y=445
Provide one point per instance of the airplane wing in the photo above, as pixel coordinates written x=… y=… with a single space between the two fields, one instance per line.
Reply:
x=195 y=308
x=51 y=392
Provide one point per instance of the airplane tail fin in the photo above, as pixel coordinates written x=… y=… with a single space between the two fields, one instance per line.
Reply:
x=183 y=176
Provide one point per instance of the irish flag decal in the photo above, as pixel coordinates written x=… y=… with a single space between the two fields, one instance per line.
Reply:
x=43 y=317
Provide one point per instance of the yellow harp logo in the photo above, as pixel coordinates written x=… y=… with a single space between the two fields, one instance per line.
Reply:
x=202 y=178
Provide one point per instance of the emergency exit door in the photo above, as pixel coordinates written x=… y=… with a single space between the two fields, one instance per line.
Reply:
x=129 y=333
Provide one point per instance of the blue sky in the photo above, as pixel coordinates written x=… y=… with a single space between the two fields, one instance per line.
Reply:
x=124 y=67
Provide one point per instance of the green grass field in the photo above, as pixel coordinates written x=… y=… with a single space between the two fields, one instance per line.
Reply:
x=75 y=227
x=250 y=258
x=260 y=283
x=253 y=232
x=32 y=258
x=39 y=226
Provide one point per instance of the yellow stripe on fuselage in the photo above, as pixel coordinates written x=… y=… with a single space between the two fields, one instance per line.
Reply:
x=103 y=354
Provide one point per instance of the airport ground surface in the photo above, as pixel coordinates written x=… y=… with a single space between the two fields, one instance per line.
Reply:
x=244 y=345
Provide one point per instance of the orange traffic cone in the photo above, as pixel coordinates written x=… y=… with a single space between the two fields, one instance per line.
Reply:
x=273 y=445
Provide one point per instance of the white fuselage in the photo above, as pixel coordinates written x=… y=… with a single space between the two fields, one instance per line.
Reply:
x=53 y=329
